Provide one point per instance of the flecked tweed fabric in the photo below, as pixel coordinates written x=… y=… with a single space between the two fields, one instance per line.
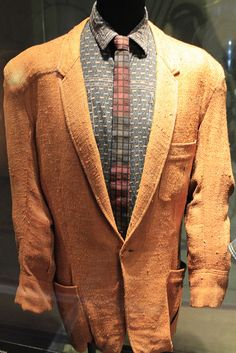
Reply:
x=68 y=242
x=97 y=59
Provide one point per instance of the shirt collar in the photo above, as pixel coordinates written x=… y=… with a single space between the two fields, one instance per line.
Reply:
x=104 y=33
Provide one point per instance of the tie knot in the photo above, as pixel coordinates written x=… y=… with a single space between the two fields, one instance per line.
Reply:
x=121 y=42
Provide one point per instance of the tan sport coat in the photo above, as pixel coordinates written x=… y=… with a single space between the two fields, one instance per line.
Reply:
x=65 y=230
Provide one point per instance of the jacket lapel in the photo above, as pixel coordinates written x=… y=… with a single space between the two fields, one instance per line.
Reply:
x=74 y=98
x=165 y=109
x=75 y=102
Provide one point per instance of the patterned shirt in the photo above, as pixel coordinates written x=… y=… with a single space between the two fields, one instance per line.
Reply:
x=97 y=58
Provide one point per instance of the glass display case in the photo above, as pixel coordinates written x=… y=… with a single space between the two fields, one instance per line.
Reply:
x=208 y=24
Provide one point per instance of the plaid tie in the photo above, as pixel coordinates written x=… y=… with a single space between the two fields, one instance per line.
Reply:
x=120 y=168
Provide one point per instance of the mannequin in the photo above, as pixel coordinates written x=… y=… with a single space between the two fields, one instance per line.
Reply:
x=122 y=15
x=104 y=286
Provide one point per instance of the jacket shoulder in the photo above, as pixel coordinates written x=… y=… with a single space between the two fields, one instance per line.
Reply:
x=191 y=59
x=33 y=61
x=194 y=59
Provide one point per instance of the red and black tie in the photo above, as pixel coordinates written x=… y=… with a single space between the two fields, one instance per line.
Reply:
x=120 y=167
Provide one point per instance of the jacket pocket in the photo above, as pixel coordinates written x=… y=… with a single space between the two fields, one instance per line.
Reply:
x=177 y=169
x=174 y=294
x=73 y=316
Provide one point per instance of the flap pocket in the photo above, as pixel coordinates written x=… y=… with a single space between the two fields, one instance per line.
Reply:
x=66 y=294
x=177 y=169
x=73 y=315
x=174 y=293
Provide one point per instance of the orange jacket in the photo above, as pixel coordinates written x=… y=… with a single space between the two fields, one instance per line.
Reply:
x=65 y=230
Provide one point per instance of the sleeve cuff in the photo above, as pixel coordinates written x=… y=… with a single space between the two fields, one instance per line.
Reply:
x=207 y=289
x=34 y=295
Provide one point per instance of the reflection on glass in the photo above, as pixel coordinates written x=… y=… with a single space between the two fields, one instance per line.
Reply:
x=209 y=24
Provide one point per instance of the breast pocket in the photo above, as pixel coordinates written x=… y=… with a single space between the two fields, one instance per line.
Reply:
x=177 y=169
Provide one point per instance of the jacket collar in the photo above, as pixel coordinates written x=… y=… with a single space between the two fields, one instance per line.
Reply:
x=104 y=33
x=70 y=51
x=74 y=98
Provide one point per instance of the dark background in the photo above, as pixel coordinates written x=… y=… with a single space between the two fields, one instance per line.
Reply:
x=206 y=23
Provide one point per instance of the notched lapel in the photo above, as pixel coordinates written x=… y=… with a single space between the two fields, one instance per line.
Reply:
x=75 y=102
x=165 y=110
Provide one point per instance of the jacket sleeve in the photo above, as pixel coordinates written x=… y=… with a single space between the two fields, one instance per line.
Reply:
x=206 y=214
x=31 y=217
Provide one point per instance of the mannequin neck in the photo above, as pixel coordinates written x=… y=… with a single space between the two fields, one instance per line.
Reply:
x=122 y=15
